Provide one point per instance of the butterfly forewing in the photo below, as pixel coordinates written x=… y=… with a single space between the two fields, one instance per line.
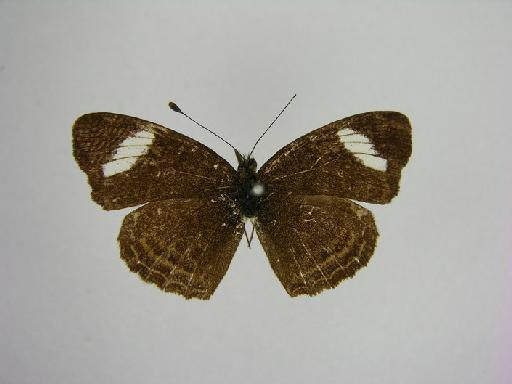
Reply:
x=315 y=242
x=130 y=161
x=359 y=157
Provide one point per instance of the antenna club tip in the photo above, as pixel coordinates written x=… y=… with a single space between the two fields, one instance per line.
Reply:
x=174 y=107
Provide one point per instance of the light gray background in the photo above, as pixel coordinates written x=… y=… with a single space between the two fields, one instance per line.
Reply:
x=432 y=306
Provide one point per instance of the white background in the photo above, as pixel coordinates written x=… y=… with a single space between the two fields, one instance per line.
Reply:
x=434 y=303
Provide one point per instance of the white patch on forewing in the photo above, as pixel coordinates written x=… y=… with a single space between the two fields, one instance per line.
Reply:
x=128 y=152
x=362 y=148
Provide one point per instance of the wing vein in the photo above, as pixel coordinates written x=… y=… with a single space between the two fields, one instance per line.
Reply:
x=308 y=252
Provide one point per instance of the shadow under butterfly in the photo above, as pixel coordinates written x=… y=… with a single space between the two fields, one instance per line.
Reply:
x=300 y=201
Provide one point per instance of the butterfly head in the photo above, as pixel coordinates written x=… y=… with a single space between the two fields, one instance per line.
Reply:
x=246 y=163
x=249 y=190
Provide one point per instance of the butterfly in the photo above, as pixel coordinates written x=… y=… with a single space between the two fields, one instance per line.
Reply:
x=194 y=203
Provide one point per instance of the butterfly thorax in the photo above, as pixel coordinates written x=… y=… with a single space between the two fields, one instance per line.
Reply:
x=249 y=190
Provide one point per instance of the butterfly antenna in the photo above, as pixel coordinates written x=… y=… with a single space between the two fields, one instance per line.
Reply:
x=271 y=124
x=175 y=108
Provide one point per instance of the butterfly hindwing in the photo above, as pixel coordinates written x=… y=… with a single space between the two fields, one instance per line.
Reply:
x=315 y=242
x=130 y=161
x=183 y=246
x=359 y=157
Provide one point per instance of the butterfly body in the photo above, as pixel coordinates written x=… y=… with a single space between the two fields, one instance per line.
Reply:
x=193 y=203
x=250 y=190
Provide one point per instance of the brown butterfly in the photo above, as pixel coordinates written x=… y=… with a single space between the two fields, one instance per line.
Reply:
x=301 y=200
